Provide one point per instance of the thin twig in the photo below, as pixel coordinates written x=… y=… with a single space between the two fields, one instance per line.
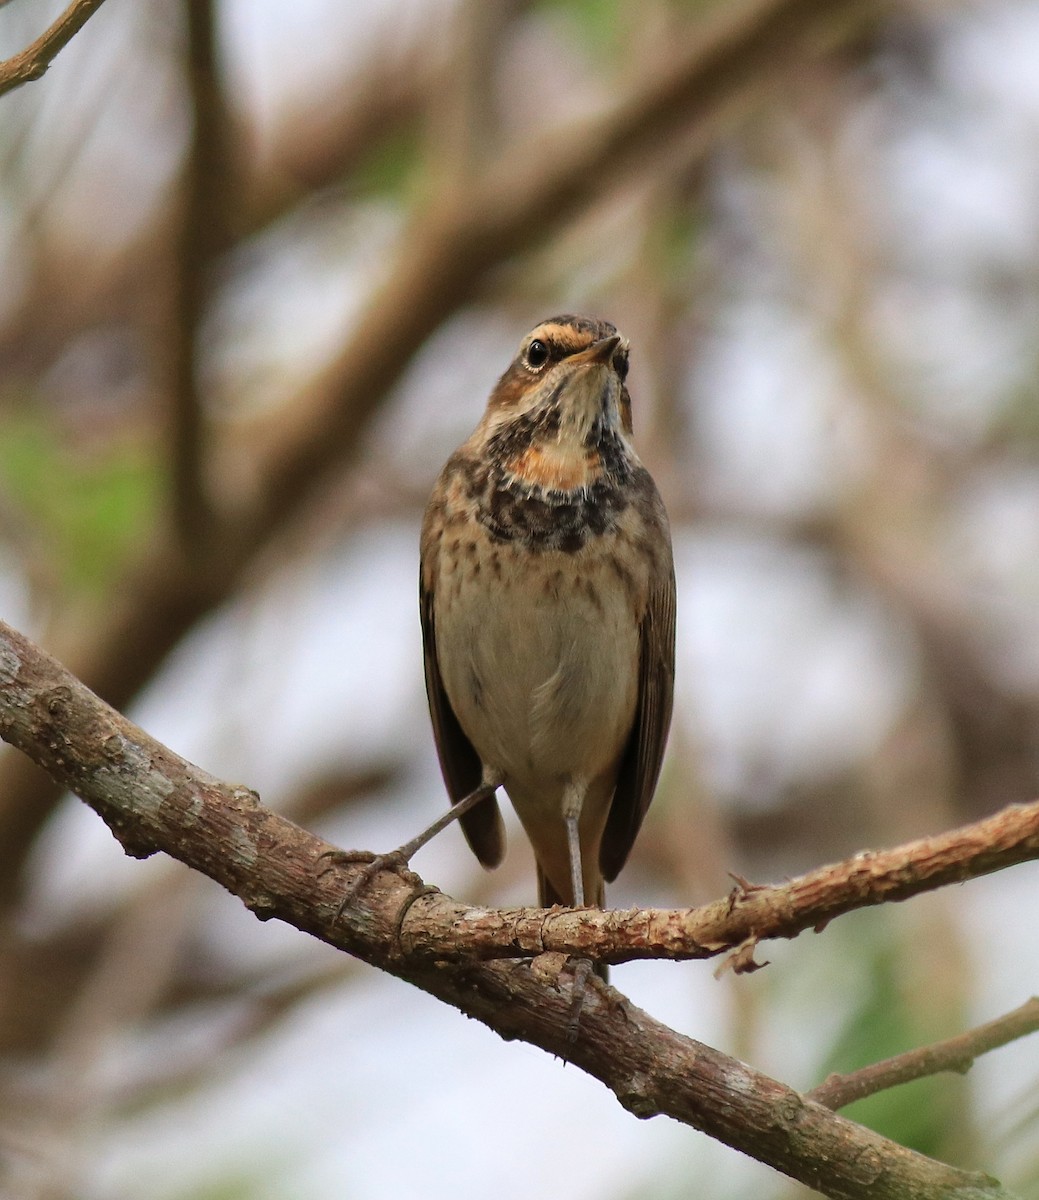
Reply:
x=748 y=915
x=32 y=62
x=153 y=800
x=954 y=1054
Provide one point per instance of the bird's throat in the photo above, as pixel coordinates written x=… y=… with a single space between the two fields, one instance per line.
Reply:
x=555 y=466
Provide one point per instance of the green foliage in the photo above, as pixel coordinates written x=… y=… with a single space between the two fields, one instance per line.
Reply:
x=264 y=1174
x=886 y=1022
x=231 y=1188
x=89 y=506
x=1016 y=421
x=600 y=24
x=674 y=242
x=393 y=165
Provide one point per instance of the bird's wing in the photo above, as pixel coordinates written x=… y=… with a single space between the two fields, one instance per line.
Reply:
x=459 y=763
x=640 y=766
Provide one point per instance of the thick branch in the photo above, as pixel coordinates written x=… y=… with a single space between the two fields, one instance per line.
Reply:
x=153 y=800
x=954 y=1054
x=32 y=62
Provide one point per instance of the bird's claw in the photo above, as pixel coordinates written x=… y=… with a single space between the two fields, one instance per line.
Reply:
x=582 y=970
x=393 y=861
x=339 y=858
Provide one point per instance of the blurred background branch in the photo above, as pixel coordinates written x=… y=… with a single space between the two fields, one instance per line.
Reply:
x=954 y=1054
x=207 y=214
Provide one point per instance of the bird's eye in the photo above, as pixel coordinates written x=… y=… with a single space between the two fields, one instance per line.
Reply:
x=537 y=354
x=620 y=365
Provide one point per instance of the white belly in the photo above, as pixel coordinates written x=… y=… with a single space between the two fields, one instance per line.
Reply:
x=541 y=669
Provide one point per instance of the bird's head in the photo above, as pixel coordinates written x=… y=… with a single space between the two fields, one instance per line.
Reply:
x=562 y=397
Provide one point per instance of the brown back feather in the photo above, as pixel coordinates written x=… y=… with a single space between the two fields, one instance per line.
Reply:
x=640 y=766
x=459 y=763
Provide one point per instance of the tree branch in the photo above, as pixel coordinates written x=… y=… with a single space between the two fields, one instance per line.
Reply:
x=954 y=1054
x=438 y=927
x=32 y=62
x=152 y=800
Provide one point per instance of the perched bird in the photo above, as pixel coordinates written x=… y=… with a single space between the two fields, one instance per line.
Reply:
x=548 y=614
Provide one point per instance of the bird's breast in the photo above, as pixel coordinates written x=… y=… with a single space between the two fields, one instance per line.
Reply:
x=539 y=652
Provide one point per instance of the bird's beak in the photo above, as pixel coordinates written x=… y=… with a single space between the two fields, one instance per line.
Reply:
x=597 y=352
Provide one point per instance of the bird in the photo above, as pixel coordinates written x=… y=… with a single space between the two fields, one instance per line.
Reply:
x=547 y=598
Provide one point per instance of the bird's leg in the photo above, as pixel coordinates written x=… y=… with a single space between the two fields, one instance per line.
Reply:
x=400 y=857
x=583 y=966
x=573 y=845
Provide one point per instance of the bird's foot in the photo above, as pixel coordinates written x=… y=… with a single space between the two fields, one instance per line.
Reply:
x=395 y=860
x=578 y=991
x=399 y=858
x=550 y=968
